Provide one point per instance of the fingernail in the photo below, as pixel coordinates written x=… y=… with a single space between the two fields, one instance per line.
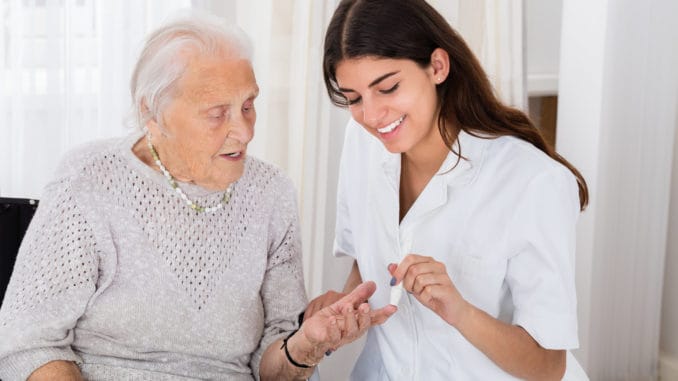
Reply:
x=329 y=352
x=393 y=281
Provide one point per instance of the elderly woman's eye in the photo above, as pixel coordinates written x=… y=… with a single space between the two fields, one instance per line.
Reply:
x=217 y=113
x=248 y=106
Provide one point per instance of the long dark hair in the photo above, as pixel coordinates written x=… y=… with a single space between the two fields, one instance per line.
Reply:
x=412 y=29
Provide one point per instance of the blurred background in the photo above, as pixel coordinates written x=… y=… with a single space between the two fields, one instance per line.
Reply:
x=599 y=77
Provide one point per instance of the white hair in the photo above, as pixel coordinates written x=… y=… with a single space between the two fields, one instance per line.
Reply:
x=166 y=54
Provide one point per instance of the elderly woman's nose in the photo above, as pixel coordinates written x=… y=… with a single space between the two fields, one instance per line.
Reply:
x=242 y=131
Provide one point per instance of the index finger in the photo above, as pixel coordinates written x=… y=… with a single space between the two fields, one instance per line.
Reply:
x=358 y=296
x=410 y=259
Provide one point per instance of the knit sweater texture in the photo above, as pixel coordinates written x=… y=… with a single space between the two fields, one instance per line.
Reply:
x=118 y=274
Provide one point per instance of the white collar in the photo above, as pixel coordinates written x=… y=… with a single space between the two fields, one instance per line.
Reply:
x=461 y=169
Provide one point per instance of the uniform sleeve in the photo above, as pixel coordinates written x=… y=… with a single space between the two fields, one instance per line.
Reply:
x=343 y=237
x=541 y=273
x=53 y=279
x=283 y=293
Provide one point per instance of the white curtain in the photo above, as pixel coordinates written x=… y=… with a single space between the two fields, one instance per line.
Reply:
x=495 y=31
x=64 y=70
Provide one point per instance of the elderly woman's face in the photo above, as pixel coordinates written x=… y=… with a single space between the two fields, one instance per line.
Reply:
x=209 y=123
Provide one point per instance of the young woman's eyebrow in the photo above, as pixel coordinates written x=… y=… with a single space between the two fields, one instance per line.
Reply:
x=373 y=83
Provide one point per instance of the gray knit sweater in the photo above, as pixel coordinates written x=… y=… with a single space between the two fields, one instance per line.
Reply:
x=117 y=274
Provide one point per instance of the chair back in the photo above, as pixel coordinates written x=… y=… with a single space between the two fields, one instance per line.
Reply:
x=15 y=215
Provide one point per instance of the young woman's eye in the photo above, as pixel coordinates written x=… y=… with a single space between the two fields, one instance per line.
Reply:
x=392 y=89
x=353 y=101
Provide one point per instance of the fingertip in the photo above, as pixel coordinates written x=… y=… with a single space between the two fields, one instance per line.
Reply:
x=371 y=286
x=366 y=287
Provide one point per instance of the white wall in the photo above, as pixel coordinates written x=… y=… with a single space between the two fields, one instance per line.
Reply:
x=542 y=36
x=618 y=103
x=580 y=97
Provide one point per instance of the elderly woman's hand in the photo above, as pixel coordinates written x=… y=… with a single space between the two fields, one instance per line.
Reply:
x=322 y=301
x=340 y=323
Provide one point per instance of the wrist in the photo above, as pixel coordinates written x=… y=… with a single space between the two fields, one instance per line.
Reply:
x=299 y=350
x=462 y=316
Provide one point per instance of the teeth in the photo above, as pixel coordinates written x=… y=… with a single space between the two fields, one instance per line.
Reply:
x=234 y=154
x=392 y=126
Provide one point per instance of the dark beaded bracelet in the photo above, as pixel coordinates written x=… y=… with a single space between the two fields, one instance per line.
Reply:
x=287 y=353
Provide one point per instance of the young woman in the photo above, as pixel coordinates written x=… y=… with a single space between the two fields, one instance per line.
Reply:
x=453 y=195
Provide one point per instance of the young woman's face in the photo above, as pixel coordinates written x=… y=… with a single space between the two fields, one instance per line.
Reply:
x=393 y=99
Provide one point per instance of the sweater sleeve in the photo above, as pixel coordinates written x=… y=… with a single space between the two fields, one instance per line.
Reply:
x=282 y=293
x=54 y=277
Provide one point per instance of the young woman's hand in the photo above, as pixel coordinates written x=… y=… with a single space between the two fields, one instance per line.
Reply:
x=428 y=281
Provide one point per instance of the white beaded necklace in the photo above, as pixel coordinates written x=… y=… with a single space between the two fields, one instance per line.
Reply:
x=224 y=200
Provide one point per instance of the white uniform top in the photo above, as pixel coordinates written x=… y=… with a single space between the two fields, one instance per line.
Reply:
x=503 y=222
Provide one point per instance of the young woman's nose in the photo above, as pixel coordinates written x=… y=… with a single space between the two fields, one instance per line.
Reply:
x=373 y=112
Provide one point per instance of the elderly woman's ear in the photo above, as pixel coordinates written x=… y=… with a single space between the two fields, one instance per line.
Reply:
x=151 y=123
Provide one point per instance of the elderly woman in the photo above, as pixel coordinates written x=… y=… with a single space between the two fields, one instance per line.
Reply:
x=171 y=254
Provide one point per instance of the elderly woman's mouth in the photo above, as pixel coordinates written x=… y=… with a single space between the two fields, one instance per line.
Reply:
x=232 y=155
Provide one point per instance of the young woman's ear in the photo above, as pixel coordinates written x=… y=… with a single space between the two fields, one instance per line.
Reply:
x=440 y=65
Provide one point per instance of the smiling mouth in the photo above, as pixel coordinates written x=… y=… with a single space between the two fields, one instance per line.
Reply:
x=392 y=126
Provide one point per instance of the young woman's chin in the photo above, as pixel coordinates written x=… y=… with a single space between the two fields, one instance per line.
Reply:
x=394 y=148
